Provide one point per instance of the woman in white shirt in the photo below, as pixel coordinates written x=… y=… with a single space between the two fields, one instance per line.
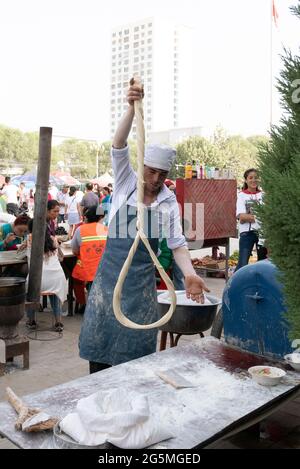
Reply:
x=53 y=280
x=72 y=210
x=249 y=226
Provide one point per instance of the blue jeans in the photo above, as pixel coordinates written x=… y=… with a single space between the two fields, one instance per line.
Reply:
x=55 y=305
x=247 y=241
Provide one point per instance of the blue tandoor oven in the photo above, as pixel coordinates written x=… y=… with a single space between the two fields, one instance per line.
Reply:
x=254 y=311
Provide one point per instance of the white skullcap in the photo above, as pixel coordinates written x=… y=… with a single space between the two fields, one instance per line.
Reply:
x=159 y=156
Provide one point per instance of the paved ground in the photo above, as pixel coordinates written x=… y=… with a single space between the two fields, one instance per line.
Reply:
x=57 y=361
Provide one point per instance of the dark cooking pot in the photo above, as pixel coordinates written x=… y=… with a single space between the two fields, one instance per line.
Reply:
x=12 y=305
x=189 y=318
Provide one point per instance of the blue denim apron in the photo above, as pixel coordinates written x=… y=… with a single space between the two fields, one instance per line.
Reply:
x=102 y=338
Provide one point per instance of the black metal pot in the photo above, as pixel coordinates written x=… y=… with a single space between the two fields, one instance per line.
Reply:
x=192 y=319
x=12 y=305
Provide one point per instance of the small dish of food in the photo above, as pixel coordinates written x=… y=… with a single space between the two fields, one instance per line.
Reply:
x=266 y=375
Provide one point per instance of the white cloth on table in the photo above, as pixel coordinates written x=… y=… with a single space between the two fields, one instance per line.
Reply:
x=53 y=277
x=120 y=417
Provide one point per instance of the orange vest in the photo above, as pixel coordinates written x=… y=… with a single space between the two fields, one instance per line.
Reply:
x=93 y=241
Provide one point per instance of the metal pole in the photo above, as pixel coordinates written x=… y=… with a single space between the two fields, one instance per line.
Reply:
x=40 y=211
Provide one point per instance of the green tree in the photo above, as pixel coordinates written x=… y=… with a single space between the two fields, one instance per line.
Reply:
x=194 y=148
x=18 y=148
x=221 y=151
x=280 y=174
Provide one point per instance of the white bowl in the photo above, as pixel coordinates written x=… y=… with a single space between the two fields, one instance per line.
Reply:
x=293 y=359
x=266 y=375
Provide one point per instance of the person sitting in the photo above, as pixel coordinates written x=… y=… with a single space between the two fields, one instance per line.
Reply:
x=53 y=280
x=12 y=237
x=12 y=234
x=88 y=245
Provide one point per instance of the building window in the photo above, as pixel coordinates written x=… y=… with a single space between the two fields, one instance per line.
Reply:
x=149 y=25
x=136 y=52
x=126 y=69
x=149 y=41
x=113 y=87
x=120 y=33
x=126 y=31
x=126 y=46
x=119 y=85
x=126 y=39
x=135 y=45
x=136 y=29
x=136 y=59
x=114 y=34
x=114 y=49
x=135 y=68
x=136 y=37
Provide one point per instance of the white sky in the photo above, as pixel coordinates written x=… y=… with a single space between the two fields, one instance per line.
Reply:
x=55 y=60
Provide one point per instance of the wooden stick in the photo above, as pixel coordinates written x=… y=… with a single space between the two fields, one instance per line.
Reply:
x=26 y=413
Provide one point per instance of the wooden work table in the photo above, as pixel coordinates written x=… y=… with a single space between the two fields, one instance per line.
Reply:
x=224 y=402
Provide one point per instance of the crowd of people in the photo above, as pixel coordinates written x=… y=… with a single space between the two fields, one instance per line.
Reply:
x=86 y=214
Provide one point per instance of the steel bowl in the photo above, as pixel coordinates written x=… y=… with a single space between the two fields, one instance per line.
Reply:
x=189 y=317
x=12 y=305
x=63 y=441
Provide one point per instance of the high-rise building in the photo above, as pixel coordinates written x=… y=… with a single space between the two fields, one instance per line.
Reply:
x=160 y=53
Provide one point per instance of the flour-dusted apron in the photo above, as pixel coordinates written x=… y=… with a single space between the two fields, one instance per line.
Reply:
x=102 y=338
